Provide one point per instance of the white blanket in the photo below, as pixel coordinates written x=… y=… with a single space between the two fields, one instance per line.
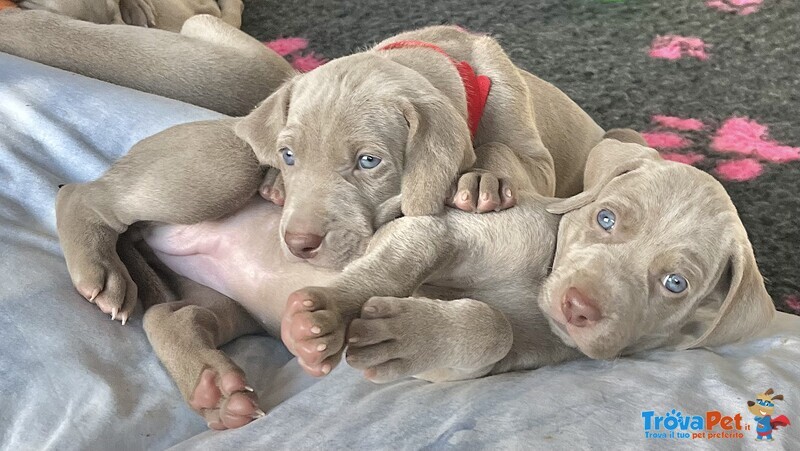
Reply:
x=70 y=378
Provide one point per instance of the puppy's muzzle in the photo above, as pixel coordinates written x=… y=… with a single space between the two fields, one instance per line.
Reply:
x=303 y=245
x=580 y=310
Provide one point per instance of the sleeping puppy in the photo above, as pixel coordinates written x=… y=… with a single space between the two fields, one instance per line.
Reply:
x=636 y=262
x=163 y=14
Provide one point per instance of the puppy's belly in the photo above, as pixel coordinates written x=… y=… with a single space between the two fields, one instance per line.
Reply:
x=241 y=257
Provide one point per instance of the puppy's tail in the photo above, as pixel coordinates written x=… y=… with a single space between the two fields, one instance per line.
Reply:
x=626 y=135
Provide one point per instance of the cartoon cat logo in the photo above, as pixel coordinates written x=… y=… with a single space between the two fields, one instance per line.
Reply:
x=762 y=409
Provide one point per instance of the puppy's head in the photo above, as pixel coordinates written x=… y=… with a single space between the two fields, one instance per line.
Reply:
x=652 y=254
x=359 y=141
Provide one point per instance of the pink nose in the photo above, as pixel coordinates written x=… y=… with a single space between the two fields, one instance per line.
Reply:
x=303 y=245
x=579 y=309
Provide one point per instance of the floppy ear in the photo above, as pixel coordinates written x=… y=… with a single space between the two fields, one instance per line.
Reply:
x=439 y=147
x=780 y=397
x=260 y=128
x=607 y=160
x=769 y=391
x=737 y=308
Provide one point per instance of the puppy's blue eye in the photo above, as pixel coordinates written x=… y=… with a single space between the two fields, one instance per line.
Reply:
x=606 y=219
x=675 y=283
x=288 y=156
x=368 y=161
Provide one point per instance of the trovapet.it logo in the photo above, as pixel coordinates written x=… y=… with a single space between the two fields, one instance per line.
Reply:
x=677 y=425
x=714 y=425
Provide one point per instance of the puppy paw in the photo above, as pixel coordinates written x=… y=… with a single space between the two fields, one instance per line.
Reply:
x=224 y=399
x=313 y=330
x=140 y=13
x=481 y=192
x=104 y=280
x=272 y=188
x=389 y=340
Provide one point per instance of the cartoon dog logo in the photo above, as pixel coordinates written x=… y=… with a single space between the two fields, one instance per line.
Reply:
x=763 y=408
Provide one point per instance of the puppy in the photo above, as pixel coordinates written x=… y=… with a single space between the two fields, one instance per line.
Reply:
x=210 y=63
x=163 y=14
x=356 y=133
x=636 y=262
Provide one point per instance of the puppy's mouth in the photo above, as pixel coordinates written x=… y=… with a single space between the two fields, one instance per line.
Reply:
x=560 y=330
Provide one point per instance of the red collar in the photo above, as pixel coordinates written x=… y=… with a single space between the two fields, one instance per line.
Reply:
x=476 y=87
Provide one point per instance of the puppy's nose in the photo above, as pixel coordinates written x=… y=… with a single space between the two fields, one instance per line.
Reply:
x=303 y=245
x=579 y=309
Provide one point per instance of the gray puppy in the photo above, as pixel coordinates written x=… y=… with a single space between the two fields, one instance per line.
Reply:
x=163 y=14
x=210 y=63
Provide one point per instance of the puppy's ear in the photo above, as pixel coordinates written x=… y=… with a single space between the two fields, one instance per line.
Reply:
x=439 y=147
x=737 y=308
x=260 y=128
x=607 y=160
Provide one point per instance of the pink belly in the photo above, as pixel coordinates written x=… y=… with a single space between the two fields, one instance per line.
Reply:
x=241 y=257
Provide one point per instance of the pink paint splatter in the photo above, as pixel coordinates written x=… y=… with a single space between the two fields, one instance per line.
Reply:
x=307 y=62
x=685 y=158
x=748 y=137
x=287 y=46
x=740 y=7
x=740 y=170
x=793 y=302
x=673 y=47
x=677 y=123
x=665 y=140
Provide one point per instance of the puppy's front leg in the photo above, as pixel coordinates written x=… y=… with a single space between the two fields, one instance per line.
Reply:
x=493 y=185
x=436 y=340
x=183 y=175
x=402 y=255
x=509 y=118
